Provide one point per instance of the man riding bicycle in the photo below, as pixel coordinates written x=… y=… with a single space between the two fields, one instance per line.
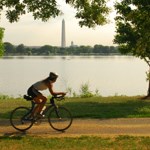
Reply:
x=38 y=97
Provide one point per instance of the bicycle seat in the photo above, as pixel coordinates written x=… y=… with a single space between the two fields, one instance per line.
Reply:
x=28 y=98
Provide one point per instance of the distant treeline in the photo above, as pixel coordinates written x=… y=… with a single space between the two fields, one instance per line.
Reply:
x=21 y=49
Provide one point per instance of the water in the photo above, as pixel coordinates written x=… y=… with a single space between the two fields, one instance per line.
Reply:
x=110 y=75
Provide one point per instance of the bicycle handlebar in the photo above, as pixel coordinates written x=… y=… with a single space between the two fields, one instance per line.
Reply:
x=59 y=98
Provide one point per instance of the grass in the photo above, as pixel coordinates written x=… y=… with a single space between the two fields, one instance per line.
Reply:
x=109 y=107
x=95 y=107
x=80 y=143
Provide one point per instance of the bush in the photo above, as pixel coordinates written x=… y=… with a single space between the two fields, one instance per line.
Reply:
x=85 y=91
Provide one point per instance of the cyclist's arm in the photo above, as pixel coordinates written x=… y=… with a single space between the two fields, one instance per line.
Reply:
x=50 y=86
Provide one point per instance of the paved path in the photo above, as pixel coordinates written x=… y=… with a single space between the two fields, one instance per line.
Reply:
x=95 y=127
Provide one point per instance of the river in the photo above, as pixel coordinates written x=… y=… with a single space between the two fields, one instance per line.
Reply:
x=110 y=75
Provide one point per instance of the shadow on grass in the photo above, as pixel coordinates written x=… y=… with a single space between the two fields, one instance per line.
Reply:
x=13 y=136
x=128 y=109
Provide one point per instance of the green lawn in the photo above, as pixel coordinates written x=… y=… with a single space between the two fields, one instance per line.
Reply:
x=95 y=107
x=80 y=143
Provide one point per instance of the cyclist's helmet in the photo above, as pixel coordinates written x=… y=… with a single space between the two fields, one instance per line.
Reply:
x=53 y=76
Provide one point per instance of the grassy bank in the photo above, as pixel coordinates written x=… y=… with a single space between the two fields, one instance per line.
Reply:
x=94 y=107
x=80 y=143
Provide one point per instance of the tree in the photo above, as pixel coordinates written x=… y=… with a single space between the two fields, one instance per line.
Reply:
x=41 y=9
x=1 y=43
x=133 y=29
x=90 y=13
x=20 y=49
x=9 y=48
x=97 y=48
x=46 y=49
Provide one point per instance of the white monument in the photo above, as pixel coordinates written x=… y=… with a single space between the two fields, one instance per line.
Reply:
x=63 y=37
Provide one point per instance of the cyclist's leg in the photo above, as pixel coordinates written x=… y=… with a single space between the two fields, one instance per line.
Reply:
x=40 y=100
x=35 y=95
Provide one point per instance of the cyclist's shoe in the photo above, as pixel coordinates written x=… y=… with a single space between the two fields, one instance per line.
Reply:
x=37 y=119
x=40 y=115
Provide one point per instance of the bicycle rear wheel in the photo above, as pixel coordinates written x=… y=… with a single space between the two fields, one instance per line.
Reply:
x=19 y=119
x=60 y=118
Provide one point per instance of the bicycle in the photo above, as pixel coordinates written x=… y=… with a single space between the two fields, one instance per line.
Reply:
x=59 y=117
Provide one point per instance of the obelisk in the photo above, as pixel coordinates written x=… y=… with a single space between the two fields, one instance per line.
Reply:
x=63 y=37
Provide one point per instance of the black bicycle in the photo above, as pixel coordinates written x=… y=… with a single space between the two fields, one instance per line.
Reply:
x=59 y=117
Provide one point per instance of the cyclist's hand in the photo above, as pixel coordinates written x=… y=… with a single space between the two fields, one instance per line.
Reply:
x=64 y=93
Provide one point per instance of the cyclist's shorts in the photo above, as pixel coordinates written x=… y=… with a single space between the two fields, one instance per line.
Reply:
x=33 y=92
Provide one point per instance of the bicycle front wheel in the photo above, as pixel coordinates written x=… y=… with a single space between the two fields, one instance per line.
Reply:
x=60 y=118
x=19 y=119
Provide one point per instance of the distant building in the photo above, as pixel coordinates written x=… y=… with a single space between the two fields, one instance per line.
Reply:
x=63 y=36
x=72 y=44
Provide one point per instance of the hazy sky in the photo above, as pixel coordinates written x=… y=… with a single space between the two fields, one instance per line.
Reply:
x=32 y=32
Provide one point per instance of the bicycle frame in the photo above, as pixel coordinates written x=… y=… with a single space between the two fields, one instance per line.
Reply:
x=50 y=105
x=25 y=117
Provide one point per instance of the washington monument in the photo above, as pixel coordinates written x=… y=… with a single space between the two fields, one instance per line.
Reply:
x=63 y=37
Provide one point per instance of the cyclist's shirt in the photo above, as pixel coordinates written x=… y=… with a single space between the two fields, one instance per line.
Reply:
x=40 y=86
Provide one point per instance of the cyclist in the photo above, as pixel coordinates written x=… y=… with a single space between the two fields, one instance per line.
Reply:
x=38 y=97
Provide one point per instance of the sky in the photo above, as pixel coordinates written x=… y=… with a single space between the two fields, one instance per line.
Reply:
x=32 y=32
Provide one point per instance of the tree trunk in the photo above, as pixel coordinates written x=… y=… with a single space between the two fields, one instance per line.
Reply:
x=148 y=92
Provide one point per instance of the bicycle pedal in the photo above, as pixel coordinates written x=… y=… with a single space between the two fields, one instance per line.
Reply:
x=29 y=118
x=41 y=115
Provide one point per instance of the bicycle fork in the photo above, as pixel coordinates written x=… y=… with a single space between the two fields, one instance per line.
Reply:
x=55 y=107
x=57 y=112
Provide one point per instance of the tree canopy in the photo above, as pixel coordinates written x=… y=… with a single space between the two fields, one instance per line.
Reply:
x=90 y=12
x=46 y=50
x=133 y=28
